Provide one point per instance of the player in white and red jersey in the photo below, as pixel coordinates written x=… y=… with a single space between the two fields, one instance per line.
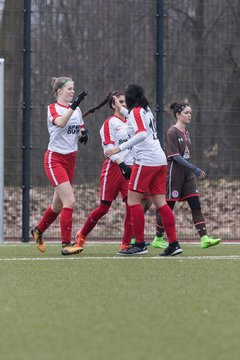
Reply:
x=115 y=174
x=66 y=128
x=182 y=174
x=148 y=174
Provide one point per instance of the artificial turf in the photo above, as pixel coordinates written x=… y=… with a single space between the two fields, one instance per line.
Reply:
x=95 y=306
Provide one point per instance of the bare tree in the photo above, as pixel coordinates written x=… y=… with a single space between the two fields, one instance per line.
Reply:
x=202 y=64
x=102 y=46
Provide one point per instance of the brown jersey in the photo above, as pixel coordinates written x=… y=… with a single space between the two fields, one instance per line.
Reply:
x=177 y=142
x=181 y=181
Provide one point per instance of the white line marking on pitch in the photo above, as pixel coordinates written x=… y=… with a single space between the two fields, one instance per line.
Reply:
x=224 y=257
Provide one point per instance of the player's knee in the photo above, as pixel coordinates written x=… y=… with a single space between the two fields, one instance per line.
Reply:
x=70 y=203
x=103 y=208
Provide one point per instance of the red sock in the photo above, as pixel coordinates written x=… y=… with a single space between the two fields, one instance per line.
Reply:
x=159 y=226
x=128 y=233
x=168 y=221
x=93 y=218
x=137 y=221
x=48 y=218
x=66 y=224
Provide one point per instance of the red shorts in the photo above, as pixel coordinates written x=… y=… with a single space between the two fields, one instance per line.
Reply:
x=112 y=182
x=148 y=179
x=59 y=168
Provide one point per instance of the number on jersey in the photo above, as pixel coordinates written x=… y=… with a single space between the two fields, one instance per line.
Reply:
x=153 y=126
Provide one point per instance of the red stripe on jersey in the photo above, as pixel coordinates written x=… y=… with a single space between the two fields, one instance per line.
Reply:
x=138 y=119
x=67 y=107
x=53 y=112
x=123 y=120
x=169 y=156
x=106 y=131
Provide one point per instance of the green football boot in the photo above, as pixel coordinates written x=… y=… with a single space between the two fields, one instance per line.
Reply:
x=159 y=242
x=207 y=241
x=133 y=241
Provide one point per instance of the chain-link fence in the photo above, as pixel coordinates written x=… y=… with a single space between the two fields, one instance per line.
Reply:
x=104 y=45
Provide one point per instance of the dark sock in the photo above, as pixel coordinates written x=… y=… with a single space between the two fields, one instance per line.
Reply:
x=199 y=222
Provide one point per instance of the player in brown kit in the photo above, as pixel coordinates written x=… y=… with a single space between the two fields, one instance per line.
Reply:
x=181 y=180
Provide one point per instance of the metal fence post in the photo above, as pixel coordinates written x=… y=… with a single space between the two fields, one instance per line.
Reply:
x=1 y=149
x=159 y=69
x=26 y=107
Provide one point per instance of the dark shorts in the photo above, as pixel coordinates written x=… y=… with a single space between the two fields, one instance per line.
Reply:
x=181 y=183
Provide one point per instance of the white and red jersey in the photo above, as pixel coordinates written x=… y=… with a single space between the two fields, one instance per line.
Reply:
x=114 y=132
x=146 y=146
x=64 y=140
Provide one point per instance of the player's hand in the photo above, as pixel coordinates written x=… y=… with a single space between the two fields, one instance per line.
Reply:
x=203 y=175
x=200 y=173
x=126 y=170
x=78 y=99
x=117 y=102
x=85 y=136
x=112 y=151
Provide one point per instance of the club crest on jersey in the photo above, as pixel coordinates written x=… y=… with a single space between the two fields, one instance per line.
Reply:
x=180 y=139
x=175 y=194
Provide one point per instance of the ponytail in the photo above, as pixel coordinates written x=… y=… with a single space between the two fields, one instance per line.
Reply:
x=90 y=111
x=108 y=99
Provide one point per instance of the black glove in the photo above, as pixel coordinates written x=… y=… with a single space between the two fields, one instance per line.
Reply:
x=126 y=170
x=84 y=138
x=78 y=99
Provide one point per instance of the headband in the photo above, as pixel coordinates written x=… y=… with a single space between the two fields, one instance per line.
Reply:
x=60 y=87
x=179 y=108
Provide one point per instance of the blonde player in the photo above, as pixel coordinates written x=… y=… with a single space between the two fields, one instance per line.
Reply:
x=66 y=128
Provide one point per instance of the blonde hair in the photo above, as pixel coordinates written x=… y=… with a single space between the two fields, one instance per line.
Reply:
x=58 y=83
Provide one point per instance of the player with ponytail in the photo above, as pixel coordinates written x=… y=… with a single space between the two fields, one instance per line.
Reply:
x=115 y=172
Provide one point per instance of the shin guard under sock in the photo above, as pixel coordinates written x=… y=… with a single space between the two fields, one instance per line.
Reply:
x=66 y=224
x=128 y=233
x=93 y=218
x=199 y=222
x=168 y=221
x=48 y=218
x=137 y=221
